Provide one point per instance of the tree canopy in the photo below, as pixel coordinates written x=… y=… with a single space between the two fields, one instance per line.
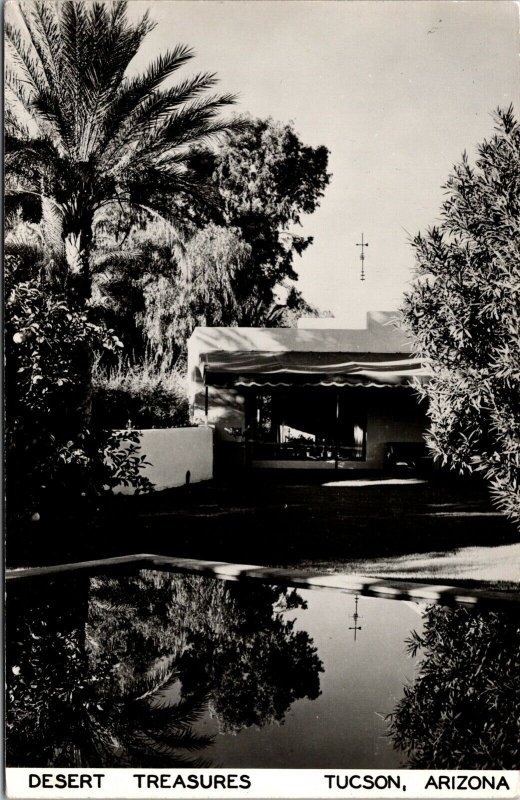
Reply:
x=268 y=179
x=112 y=156
x=82 y=134
x=119 y=674
x=77 y=700
x=226 y=272
x=464 y=315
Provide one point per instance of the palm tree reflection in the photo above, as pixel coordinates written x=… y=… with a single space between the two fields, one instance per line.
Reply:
x=68 y=707
x=118 y=671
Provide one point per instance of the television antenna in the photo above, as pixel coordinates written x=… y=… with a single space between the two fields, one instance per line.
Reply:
x=356 y=617
x=362 y=244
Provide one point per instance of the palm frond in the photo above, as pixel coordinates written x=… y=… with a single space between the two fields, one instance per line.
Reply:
x=44 y=37
x=189 y=124
x=157 y=710
x=133 y=92
x=182 y=740
x=32 y=162
x=102 y=137
x=156 y=208
x=110 y=258
x=17 y=246
x=24 y=58
x=142 y=749
x=15 y=128
x=144 y=131
x=18 y=87
x=162 y=103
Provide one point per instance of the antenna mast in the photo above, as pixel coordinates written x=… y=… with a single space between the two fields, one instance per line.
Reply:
x=355 y=617
x=362 y=244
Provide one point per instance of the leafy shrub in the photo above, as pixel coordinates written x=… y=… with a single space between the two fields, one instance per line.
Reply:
x=56 y=459
x=143 y=395
x=463 y=312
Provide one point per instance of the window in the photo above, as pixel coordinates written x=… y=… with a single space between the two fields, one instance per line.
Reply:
x=309 y=423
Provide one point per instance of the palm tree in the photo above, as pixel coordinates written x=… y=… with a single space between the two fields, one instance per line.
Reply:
x=82 y=134
x=72 y=724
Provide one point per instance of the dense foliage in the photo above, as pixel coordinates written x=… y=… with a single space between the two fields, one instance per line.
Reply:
x=82 y=135
x=70 y=701
x=268 y=179
x=155 y=287
x=120 y=674
x=147 y=229
x=463 y=709
x=143 y=395
x=255 y=665
x=54 y=461
x=464 y=316
x=220 y=284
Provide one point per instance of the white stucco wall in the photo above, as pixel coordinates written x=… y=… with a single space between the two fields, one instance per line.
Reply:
x=174 y=451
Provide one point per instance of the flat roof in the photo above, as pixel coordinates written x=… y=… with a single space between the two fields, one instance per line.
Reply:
x=381 y=335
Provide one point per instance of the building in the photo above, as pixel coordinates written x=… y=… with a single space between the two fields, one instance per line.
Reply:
x=321 y=398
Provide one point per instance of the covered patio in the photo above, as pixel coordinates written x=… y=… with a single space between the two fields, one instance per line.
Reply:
x=314 y=399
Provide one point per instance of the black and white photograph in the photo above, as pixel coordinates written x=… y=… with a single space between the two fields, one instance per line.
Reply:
x=262 y=398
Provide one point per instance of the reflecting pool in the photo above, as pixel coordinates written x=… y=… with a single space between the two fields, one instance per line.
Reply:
x=155 y=669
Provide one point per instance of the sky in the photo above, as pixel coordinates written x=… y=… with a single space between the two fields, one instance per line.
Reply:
x=395 y=90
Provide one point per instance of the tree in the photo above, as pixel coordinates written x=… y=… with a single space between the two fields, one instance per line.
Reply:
x=225 y=273
x=67 y=704
x=464 y=316
x=232 y=643
x=463 y=709
x=215 y=263
x=249 y=658
x=219 y=284
x=82 y=135
x=267 y=179
x=119 y=674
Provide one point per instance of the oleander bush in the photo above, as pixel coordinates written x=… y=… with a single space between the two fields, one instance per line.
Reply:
x=463 y=313
x=462 y=711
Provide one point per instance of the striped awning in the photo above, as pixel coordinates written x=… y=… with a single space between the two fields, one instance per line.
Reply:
x=311 y=369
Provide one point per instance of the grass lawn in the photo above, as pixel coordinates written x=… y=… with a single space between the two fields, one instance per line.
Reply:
x=440 y=530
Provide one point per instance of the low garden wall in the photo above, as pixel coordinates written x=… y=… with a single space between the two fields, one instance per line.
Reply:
x=177 y=456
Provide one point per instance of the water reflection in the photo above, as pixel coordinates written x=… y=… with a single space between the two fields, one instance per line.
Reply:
x=82 y=695
x=116 y=671
x=249 y=658
x=154 y=669
x=463 y=709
